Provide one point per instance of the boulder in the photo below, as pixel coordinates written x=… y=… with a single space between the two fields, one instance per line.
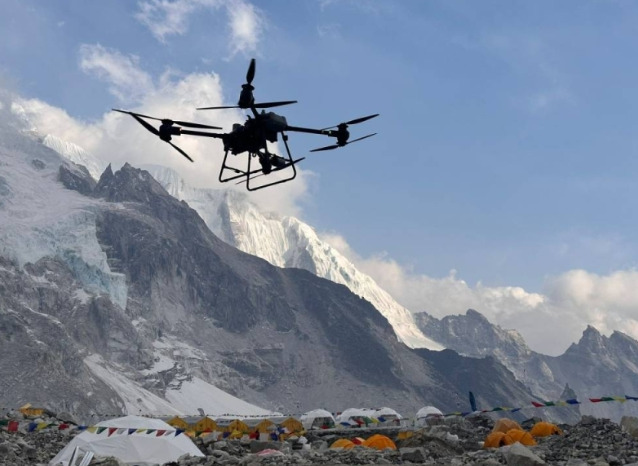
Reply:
x=519 y=455
x=629 y=424
x=414 y=455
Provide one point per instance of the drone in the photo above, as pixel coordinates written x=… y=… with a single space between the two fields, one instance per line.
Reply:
x=251 y=137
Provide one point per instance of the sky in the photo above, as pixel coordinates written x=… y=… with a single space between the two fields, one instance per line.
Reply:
x=501 y=177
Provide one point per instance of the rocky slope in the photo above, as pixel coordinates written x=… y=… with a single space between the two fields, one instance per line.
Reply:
x=286 y=241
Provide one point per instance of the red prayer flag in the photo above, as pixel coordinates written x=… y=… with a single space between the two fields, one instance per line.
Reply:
x=595 y=400
x=12 y=426
x=160 y=433
x=63 y=426
x=538 y=405
x=111 y=430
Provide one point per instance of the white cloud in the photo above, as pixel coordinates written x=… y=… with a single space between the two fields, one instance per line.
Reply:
x=550 y=320
x=117 y=138
x=165 y=18
x=126 y=80
x=246 y=25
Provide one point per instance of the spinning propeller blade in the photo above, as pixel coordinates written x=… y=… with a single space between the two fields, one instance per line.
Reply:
x=275 y=104
x=181 y=151
x=250 y=74
x=334 y=146
x=354 y=122
x=187 y=124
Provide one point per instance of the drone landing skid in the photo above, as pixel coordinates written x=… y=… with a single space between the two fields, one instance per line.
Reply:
x=249 y=174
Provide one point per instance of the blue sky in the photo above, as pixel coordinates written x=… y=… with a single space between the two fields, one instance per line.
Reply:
x=506 y=149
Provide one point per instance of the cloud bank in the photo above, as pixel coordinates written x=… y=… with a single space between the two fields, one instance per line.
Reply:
x=117 y=138
x=549 y=320
x=165 y=18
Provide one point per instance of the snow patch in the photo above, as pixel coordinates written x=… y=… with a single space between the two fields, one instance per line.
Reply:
x=137 y=400
x=196 y=393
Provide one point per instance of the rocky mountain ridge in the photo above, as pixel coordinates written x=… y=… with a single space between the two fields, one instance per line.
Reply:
x=595 y=366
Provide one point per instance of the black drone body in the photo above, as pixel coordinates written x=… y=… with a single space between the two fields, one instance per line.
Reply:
x=252 y=136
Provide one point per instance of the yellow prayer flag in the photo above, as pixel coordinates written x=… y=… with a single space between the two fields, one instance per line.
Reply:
x=92 y=429
x=42 y=425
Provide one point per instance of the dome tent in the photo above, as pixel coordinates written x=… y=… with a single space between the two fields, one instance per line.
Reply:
x=316 y=419
x=387 y=415
x=132 y=440
x=426 y=413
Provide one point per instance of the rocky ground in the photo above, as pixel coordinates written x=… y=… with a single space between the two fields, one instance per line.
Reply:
x=456 y=442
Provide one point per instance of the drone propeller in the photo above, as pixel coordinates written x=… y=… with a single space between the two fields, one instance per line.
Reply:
x=246 y=99
x=149 y=127
x=168 y=121
x=261 y=105
x=335 y=146
x=353 y=122
x=180 y=151
x=250 y=74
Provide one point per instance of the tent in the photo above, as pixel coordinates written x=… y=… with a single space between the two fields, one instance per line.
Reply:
x=387 y=415
x=205 y=424
x=131 y=439
x=358 y=415
x=342 y=443
x=237 y=425
x=380 y=442
x=317 y=419
x=178 y=423
x=425 y=414
x=497 y=439
x=521 y=436
x=292 y=425
x=545 y=429
x=504 y=424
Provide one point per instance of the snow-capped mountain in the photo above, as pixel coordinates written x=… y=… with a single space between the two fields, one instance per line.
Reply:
x=595 y=366
x=115 y=296
x=288 y=242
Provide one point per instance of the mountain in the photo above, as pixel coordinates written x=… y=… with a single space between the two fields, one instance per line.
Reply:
x=595 y=366
x=286 y=241
x=115 y=296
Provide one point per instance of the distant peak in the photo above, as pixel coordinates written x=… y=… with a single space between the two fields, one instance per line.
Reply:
x=475 y=315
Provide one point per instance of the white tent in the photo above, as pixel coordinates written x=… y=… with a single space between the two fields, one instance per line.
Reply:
x=388 y=414
x=426 y=413
x=316 y=418
x=351 y=414
x=137 y=447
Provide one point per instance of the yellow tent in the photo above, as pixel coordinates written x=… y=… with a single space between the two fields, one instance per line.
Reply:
x=205 y=424
x=342 y=443
x=178 y=423
x=544 y=429
x=235 y=434
x=521 y=436
x=265 y=426
x=504 y=424
x=292 y=424
x=238 y=425
x=380 y=442
x=497 y=439
x=30 y=411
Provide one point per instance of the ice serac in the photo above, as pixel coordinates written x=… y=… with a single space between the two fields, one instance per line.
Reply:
x=286 y=241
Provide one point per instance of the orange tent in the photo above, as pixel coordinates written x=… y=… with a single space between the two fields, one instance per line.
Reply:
x=504 y=424
x=544 y=429
x=342 y=443
x=380 y=442
x=521 y=436
x=497 y=439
